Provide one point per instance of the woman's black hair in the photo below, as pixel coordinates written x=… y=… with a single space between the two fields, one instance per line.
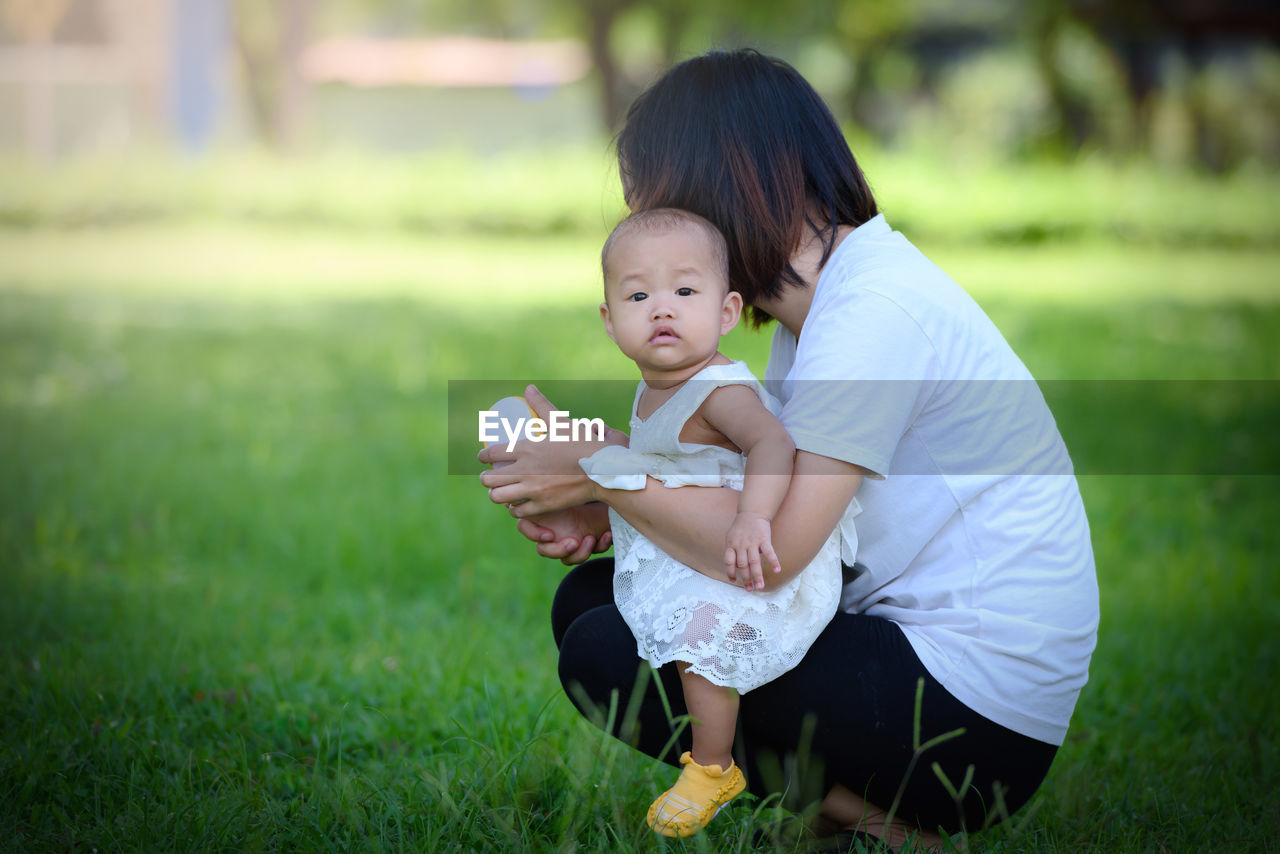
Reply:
x=742 y=139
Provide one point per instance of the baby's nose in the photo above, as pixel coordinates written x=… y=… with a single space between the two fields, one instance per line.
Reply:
x=662 y=309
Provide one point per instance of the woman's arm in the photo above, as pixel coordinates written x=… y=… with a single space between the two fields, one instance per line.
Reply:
x=690 y=523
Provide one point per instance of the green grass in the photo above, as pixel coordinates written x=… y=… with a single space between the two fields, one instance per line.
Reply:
x=575 y=190
x=245 y=607
x=274 y=264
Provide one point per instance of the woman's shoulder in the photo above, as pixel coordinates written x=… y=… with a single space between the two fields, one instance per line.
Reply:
x=884 y=277
x=898 y=308
x=883 y=263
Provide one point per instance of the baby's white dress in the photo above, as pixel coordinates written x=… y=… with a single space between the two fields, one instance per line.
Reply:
x=727 y=634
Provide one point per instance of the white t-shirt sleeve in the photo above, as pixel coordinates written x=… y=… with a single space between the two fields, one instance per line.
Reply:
x=868 y=369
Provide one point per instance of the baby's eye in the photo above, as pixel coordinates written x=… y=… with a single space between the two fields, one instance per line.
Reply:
x=684 y=292
x=637 y=296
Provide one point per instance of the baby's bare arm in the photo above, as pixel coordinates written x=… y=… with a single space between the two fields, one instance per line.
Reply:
x=736 y=411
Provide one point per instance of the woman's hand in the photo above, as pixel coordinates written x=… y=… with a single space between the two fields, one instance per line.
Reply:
x=542 y=477
x=570 y=536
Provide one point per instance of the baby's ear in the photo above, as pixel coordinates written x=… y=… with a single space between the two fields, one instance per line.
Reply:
x=730 y=311
x=608 y=324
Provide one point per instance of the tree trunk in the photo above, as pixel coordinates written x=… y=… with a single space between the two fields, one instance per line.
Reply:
x=1074 y=123
x=270 y=54
x=1138 y=60
x=864 y=106
x=295 y=28
x=258 y=85
x=1211 y=148
x=601 y=15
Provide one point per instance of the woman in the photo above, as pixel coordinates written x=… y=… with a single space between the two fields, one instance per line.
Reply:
x=972 y=594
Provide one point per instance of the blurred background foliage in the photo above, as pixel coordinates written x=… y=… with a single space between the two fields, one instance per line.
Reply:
x=1181 y=82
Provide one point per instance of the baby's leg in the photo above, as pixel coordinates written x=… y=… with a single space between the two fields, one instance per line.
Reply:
x=709 y=779
x=714 y=710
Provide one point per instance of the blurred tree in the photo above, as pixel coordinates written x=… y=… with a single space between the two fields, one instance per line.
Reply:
x=1045 y=23
x=721 y=22
x=900 y=50
x=598 y=18
x=674 y=18
x=270 y=38
x=871 y=31
x=1140 y=33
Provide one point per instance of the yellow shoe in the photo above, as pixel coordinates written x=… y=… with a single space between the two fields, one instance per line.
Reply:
x=694 y=800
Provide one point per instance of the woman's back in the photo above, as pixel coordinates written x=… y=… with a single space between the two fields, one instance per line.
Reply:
x=973 y=536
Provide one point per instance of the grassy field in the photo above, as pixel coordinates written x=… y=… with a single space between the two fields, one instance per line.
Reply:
x=246 y=607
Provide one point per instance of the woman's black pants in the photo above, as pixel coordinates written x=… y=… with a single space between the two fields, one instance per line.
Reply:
x=844 y=715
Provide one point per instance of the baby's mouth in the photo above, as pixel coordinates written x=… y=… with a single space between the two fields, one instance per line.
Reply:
x=663 y=335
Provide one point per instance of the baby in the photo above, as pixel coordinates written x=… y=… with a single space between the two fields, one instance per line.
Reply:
x=700 y=419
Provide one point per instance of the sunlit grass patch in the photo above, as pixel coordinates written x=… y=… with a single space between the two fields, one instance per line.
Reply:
x=1097 y=273
x=576 y=190
x=221 y=261
x=234 y=262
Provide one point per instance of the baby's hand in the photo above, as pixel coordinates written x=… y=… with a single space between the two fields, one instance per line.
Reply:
x=749 y=539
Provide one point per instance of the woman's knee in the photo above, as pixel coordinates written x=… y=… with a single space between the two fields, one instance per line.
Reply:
x=616 y=690
x=597 y=656
x=583 y=588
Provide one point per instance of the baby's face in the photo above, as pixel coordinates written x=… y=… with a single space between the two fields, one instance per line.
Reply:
x=666 y=301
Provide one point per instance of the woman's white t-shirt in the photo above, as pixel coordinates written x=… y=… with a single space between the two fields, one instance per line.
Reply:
x=972 y=535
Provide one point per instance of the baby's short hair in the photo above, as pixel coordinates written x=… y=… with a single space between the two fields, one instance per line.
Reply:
x=662 y=219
